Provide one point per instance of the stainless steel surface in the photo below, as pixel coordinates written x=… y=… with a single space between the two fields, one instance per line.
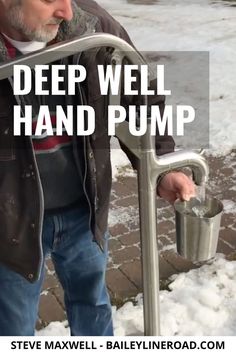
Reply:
x=150 y=166
x=150 y=259
x=197 y=237
x=181 y=159
x=71 y=47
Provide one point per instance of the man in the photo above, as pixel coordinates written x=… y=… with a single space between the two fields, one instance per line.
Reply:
x=54 y=191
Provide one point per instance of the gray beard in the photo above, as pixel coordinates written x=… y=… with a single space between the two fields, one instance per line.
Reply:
x=16 y=19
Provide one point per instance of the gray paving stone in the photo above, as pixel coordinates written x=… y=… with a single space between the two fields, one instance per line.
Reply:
x=224 y=248
x=118 y=229
x=119 y=285
x=229 y=236
x=50 y=309
x=59 y=294
x=132 y=270
x=130 y=238
x=125 y=202
x=165 y=268
x=126 y=254
x=164 y=227
x=177 y=262
x=114 y=244
x=50 y=281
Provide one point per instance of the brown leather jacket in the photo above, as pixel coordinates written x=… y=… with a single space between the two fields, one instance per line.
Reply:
x=21 y=198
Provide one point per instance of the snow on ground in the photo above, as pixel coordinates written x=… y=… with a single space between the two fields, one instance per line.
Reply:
x=229 y=206
x=201 y=302
x=191 y=26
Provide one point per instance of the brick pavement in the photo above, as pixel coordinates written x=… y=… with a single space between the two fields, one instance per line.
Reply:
x=124 y=269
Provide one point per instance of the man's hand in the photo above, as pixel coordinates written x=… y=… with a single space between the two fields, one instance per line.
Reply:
x=176 y=185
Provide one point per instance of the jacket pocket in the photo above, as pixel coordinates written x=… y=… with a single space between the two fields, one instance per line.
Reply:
x=7 y=151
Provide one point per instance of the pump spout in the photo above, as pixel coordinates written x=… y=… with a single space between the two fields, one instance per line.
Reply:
x=180 y=159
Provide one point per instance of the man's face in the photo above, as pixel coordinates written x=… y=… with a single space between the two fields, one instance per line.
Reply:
x=35 y=19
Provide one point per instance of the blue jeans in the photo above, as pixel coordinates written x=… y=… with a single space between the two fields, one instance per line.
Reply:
x=80 y=266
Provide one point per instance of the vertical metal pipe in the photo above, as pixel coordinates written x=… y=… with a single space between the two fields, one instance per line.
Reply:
x=150 y=261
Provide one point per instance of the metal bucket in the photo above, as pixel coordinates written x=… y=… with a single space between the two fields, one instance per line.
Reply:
x=197 y=236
